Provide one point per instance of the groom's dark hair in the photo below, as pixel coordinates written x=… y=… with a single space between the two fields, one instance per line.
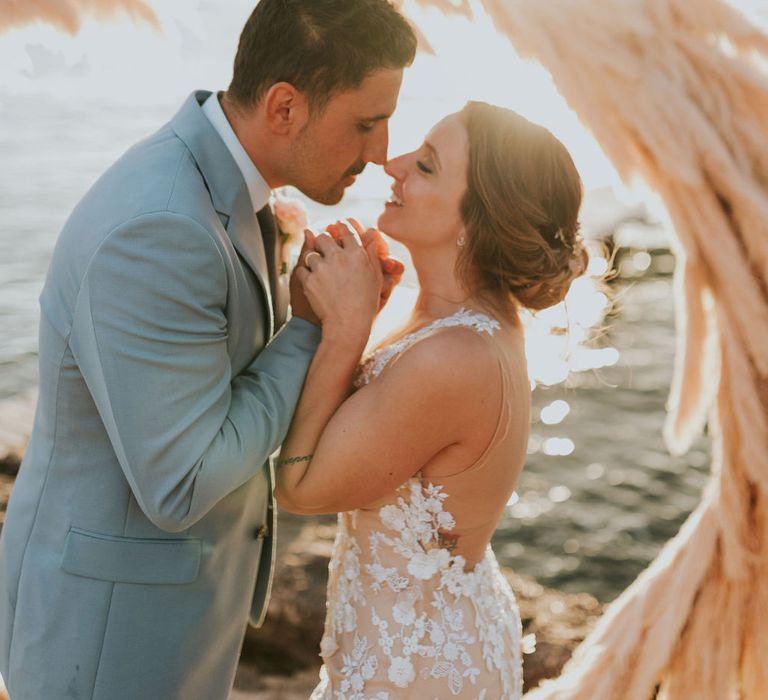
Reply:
x=321 y=47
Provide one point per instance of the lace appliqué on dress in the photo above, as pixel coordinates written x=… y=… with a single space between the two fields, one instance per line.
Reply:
x=375 y=363
x=425 y=628
x=344 y=571
x=438 y=632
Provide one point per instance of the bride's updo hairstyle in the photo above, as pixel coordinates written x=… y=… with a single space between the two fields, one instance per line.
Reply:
x=520 y=210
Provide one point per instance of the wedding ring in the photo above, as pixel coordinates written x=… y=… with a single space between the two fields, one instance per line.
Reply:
x=308 y=256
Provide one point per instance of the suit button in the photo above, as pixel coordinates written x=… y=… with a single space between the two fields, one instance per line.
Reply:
x=260 y=532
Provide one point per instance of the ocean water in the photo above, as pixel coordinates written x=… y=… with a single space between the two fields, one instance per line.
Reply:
x=599 y=495
x=593 y=518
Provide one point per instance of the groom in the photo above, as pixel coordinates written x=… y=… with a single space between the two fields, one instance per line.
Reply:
x=139 y=536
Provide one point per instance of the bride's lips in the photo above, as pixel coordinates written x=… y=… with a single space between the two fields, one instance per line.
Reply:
x=394 y=201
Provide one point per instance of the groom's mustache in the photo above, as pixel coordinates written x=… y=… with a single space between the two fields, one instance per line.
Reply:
x=355 y=170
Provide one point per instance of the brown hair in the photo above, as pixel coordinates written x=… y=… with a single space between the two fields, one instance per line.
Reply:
x=520 y=211
x=321 y=47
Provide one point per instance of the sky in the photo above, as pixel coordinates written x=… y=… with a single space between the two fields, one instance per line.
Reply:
x=137 y=63
x=126 y=59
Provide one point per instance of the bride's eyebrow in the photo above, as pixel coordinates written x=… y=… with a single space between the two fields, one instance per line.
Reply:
x=433 y=152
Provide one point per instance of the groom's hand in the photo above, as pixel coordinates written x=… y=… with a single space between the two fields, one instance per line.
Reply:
x=342 y=281
x=300 y=305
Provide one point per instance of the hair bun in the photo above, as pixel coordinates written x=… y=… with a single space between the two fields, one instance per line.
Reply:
x=553 y=285
x=520 y=210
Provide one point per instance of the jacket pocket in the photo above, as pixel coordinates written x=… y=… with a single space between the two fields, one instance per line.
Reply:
x=131 y=559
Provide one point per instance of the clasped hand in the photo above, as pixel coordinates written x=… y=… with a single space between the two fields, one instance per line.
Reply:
x=342 y=282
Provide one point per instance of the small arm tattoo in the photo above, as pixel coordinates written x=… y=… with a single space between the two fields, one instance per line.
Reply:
x=293 y=460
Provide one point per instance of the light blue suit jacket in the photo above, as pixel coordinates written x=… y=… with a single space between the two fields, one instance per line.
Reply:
x=138 y=537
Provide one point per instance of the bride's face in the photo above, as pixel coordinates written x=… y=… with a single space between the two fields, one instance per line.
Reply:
x=429 y=185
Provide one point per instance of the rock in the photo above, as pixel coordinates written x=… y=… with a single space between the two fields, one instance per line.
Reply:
x=9 y=465
x=558 y=621
x=16 y=418
x=289 y=640
x=15 y=426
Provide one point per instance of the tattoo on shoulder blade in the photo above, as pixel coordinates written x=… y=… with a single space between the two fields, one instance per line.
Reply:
x=447 y=540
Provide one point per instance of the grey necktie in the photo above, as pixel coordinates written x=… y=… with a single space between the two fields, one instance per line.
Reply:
x=271 y=237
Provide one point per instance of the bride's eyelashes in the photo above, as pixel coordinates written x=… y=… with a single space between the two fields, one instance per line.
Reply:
x=425 y=169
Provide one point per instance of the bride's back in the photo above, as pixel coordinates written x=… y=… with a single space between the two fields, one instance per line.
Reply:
x=479 y=491
x=478 y=472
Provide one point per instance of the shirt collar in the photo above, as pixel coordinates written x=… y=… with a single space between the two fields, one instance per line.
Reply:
x=257 y=185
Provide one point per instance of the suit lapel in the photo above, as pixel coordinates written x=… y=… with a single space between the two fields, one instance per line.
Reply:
x=244 y=232
x=227 y=188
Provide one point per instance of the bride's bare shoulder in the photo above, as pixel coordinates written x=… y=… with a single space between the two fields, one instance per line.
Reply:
x=448 y=360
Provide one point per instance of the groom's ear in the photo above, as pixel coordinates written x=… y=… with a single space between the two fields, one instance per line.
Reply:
x=286 y=109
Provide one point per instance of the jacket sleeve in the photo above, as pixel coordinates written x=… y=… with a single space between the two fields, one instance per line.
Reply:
x=149 y=334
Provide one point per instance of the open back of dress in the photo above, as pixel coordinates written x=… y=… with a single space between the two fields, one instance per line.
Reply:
x=409 y=617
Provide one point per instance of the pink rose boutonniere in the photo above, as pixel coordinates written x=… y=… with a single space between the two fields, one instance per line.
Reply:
x=291 y=219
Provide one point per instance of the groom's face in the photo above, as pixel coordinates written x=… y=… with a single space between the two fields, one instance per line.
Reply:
x=336 y=143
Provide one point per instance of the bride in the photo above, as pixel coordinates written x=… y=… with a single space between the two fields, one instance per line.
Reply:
x=419 y=446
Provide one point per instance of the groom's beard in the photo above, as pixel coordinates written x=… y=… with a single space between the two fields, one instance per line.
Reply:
x=311 y=166
x=355 y=170
x=334 y=194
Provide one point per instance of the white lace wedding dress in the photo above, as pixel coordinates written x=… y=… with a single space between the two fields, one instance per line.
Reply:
x=404 y=618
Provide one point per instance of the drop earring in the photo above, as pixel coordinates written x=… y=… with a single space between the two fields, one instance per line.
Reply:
x=461 y=241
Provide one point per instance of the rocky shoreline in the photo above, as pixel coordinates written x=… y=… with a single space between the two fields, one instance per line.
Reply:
x=280 y=660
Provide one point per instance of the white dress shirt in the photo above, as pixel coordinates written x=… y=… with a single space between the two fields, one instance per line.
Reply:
x=257 y=185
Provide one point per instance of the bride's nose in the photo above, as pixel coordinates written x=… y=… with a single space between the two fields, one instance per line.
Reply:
x=394 y=168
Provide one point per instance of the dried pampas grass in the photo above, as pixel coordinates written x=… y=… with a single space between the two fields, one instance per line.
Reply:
x=68 y=14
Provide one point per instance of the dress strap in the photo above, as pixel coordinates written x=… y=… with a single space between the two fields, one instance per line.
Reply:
x=374 y=365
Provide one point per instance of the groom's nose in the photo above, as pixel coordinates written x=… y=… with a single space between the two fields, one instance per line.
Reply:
x=375 y=150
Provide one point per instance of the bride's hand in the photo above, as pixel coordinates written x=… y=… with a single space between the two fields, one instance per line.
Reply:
x=392 y=269
x=342 y=281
